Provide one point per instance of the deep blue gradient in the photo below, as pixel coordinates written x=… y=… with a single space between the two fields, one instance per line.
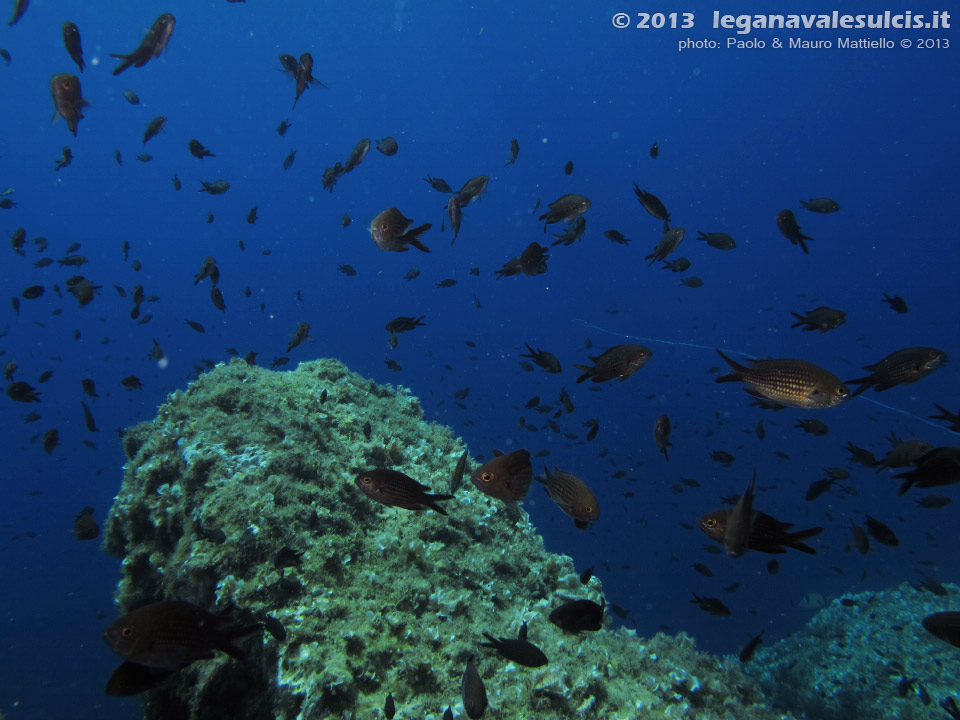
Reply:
x=742 y=135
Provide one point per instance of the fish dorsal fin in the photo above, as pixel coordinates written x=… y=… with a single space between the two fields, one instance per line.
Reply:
x=497 y=453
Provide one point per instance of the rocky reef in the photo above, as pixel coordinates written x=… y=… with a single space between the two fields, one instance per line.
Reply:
x=239 y=497
x=865 y=656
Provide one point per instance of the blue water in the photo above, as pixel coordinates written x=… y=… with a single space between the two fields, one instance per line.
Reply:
x=742 y=135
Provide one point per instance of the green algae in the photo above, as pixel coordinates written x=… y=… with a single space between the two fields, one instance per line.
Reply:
x=385 y=600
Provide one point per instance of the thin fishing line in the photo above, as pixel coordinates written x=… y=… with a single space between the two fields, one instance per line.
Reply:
x=923 y=420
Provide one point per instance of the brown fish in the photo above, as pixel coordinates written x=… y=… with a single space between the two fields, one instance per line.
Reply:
x=620 y=361
x=302 y=73
x=473 y=692
x=152 y=45
x=357 y=155
x=457 y=476
x=438 y=184
x=132 y=679
x=85 y=525
x=505 y=477
x=454 y=216
x=661 y=434
x=472 y=189
x=154 y=127
x=391 y=231
x=860 y=540
x=299 y=335
x=216 y=297
x=71 y=41
x=579 y=616
x=19 y=8
x=820 y=205
x=896 y=303
x=937 y=468
x=388 y=145
x=533 y=259
x=198 y=150
x=394 y=489
x=767 y=535
x=214 y=188
x=900 y=367
x=67 y=99
x=945 y=626
x=519 y=650
x=173 y=633
x=547 y=360
x=736 y=535
x=652 y=204
x=670 y=241
x=566 y=207
x=572 y=495
x=822 y=318
x=790 y=382
x=718 y=240
x=404 y=324
x=514 y=151
x=790 y=229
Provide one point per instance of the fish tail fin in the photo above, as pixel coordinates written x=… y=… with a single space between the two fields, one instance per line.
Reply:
x=413 y=237
x=863 y=382
x=665 y=453
x=431 y=502
x=587 y=372
x=737 y=368
x=127 y=62
x=794 y=540
x=799 y=317
x=802 y=240
x=230 y=634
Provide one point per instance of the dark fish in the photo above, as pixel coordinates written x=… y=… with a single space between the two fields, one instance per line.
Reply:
x=860 y=540
x=794 y=383
x=394 y=489
x=198 y=150
x=132 y=382
x=767 y=535
x=952 y=418
x=472 y=189
x=718 y=240
x=282 y=128
x=773 y=567
x=45 y=376
x=391 y=231
x=71 y=40
x=32 y=292
x=678 y=265
x=88 y=418
x=288 y=160
x=692 y=282
x=668 y=243
x=661 y=434
x=457 y=476
x=572 y=495
x=388 y=146
x=5 y=54
x=818 y=488
x=881 y=532
x=746 y=653
x=22 y=392
x=404 y=324
x=620 y=361
x=790 y=229
x=303 y=75
x=814 y=427
x=473 y=692
x=520 y=650
x=85 y=525
x=287 y=557
x=759 y=430
x=514 y=151
x=345 y=221
x=616 y=236
x=82 y=289
x=299 y=335
x=654 y=150
x=357 y=155
x=68 y=99
x=505 y=477
x=565 y=400
x=861 y=455
x=702 y=569
x=215 y=188
x=216 y=297
x=19 y=8
x=438 y=184
x=154 y=127
x=897 y=303
x=348 y=270
x=568 y=168
x=548 y=361
x=712 y=605
x=586 y=575
x=132 y=679
x=89 y=387
x=145 y=157
x=566 y=207
x=389 y=707
x=937 y=468
x=573 y=233
x=945 y=626
x=822 y=318
x=193 y=325
x=289 y=64
x=50 y=440
x=652 y=204
x=820 y=205
x=579 y=616
x=176 y=182
x=118 y=157
x=455 y=216
x=172 y=633
x=446 y=283
x=152 y=45
x=900 y=367
x=447 y=714
x=252 y=215
x=131 y=97
x=739 y=521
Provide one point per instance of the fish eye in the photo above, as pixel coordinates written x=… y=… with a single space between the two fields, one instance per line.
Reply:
x=66 y=85
x=126 y=632
x=588 y=508
x=711 y=523
x=366 y=480
x=487 y=477
x=384 y=227
x=842 y=391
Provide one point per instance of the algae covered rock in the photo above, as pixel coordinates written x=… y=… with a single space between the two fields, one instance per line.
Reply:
x=865 y=656
x=239 y=497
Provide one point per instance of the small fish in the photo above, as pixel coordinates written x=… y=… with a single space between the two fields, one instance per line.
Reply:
x=131 y=97
x=172 y=633
x=89 y=387
x=438 y=184
x=176 y=182
x=288 y=160
x=198 y=150
x=669 y=242
x=568 y=168
x=85 y=525
x=214 y=188
x=519 y=650
x=473 y=692
x=746 y=653
x=152 y=45
x=388 y=146
x=566 y=207
x=655 y=151
x=216 y=297
x=455 y=216
x=945 y=626
x=391 y=231
x=88 y=418
x=678 y=265
x=822 y=318
x=68 y=99
x=619 y=361
x=739 y=522
x=794 y=383
x=118 y=157
x=572 y=495
x=404 y=324
x=818 y=488
x=395 y=489
x=514 y=151
x=586 y=575
x=952 y=418
x=345 y=221
x=767 y=534
x=19 y=8
x=456 y=476
x=282 y=128
x=132 y=679
x=548 y=361
x=900 y=367
x=790 y=229
x=154 y=127
x=145 y=157
x=71 y=40
x=195 y=326
x=357 y=155
x=718 y=240
x=505 y=477
x=820 y=205
x=712 y=605
x=348 y=270
x=652 y=204
x=616 y=236
x=472 y=189
x=897 y=303
x=759 y=430
x=252 y=215
x=579 y=616
x=881 y=532
x=389 y=707
x=132 y=382
x=937 y=468
x=22 y=392
x=299 y=335
x=702 y=569
x=5 y=54
x=594 y=425
x=813 y=426
x=661 y=435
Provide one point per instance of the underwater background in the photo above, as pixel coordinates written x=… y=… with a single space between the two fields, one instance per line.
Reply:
x=741 y=133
